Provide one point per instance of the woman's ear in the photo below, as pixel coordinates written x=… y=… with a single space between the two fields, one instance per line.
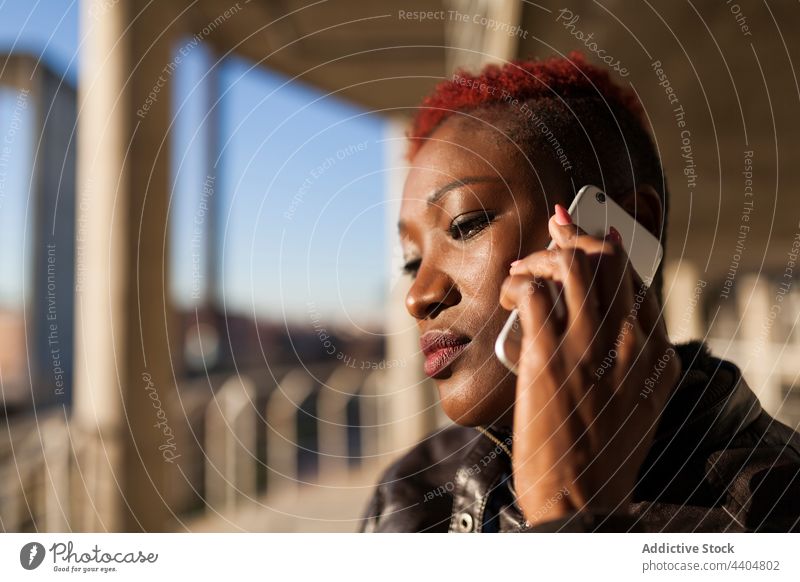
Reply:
x=644 y=204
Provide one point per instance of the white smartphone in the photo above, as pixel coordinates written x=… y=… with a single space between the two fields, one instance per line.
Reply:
x=594 y=212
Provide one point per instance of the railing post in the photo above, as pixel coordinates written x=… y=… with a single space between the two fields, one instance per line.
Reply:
x=333 y=425
x=373 y=437
x=231 y=445
x=282 y=445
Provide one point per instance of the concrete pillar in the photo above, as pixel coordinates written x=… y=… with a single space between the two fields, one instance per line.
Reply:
x=758 y=309
x=372 y=435
x=124 y=388
x=684 y=291
x=333 y=426
x=472 y=44
x=54 y=246
x=282 y=445
x=231 y=445
x=56 y=454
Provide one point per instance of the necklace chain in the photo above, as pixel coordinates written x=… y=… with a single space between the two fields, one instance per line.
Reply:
x=495 y=440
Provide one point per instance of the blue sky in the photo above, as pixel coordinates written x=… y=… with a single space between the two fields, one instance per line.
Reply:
x=45 y=28
x=300 y=191
x=299 y=184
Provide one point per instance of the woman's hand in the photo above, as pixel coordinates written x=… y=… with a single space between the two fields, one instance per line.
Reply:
x=590 y=388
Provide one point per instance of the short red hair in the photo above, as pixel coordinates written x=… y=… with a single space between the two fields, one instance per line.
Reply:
x=554 y=77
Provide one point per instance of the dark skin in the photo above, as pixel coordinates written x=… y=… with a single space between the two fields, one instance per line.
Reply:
x=573 y=431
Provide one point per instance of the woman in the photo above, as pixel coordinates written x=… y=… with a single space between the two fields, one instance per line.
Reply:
x=608 y=426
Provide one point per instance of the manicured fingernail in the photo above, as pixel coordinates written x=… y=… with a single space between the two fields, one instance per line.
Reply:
x=514 y=262
x=614 y=235
x=562 y=216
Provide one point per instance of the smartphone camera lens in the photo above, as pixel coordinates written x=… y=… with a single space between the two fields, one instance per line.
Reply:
x=600 y=197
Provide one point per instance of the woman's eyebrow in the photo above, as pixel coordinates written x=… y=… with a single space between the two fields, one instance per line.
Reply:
x=438 y=194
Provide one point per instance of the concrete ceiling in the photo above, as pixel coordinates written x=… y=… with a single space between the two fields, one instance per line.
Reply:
x=361 y=50
x=736 y=84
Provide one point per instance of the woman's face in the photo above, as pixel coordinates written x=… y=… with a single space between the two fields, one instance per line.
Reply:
x=471 y=205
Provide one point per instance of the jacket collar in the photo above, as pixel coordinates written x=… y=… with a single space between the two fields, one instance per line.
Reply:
x=711 y=401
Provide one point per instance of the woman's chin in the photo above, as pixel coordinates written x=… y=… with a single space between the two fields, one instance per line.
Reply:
x=470 y=403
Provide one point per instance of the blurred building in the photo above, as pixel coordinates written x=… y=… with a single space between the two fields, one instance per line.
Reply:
x=160 y=427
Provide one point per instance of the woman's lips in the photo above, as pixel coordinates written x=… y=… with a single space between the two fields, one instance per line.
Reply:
x=438 y=360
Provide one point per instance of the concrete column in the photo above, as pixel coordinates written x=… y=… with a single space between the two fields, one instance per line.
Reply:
x=231 y=446
x=332 y=403
x=472 y=44
x=758 y=309
x=684 y=291
x=283 y=472
x=371 y=430
x=124 y=394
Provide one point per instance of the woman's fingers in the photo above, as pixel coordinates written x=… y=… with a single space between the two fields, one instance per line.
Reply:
x=606 y=302
x=568 y=236
x=571 y=269
x=583 y=307
x=519 y=289
x=533 y=300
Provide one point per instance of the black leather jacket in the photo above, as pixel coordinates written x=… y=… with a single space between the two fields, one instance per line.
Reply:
x=719 y=463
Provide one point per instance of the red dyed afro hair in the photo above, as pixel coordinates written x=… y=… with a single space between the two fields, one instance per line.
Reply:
x=555 y=77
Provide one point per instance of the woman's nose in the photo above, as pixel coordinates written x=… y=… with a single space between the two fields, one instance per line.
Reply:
x=431 y=292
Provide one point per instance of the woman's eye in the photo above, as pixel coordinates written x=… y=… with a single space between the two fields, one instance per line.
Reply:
x=411 y=268
x=468 y=225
